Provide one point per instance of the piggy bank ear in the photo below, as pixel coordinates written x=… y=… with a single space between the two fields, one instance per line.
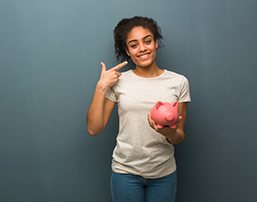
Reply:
x=158 y=104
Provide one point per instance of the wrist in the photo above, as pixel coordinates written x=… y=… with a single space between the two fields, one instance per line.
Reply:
x=101 y=87
x=177 y=137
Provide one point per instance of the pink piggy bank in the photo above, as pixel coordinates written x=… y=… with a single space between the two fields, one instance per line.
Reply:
x=165 y=114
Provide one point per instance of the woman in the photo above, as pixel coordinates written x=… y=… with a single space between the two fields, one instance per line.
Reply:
x=144 y=168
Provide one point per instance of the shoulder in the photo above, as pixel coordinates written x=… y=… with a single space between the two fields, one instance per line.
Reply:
x=173 y=75
x=124 y=80
x=126 y=73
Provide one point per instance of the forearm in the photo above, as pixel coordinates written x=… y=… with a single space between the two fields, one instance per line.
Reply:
x=95 y=115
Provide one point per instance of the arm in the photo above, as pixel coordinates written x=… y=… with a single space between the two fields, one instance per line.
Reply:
x=101 y=108
x=177 y=135
x=99 y=111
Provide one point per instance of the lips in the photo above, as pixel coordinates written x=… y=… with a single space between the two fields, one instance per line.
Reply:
x=144 y=56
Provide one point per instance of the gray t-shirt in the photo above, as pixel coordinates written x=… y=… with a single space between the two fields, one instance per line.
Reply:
x=140 y=150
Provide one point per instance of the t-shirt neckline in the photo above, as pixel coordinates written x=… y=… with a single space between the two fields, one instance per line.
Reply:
x=154 y=77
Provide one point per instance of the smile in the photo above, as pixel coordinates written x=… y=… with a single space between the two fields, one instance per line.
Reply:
x=144 y=56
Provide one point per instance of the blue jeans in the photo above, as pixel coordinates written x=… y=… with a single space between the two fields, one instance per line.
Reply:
x=133 y=188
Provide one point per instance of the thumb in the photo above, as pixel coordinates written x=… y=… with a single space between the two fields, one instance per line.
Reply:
x=179 y=120
x=103 y=68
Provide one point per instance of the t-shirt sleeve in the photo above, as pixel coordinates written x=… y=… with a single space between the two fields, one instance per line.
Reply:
x=184 y=95
x=110 y=94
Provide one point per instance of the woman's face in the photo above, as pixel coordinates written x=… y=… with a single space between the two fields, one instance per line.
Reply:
x=141 y=47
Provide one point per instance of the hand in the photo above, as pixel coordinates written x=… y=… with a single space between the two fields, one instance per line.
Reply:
x=110 y=77
x=165 y=131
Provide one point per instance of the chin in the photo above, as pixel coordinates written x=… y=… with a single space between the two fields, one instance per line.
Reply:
x=144 y=63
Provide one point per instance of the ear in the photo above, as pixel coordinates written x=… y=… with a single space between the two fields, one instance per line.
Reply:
x=156 y=44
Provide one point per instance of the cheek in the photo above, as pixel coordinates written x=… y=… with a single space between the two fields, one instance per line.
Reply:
x=127 y=51
x=131 y=52
x=154 y=47
x=133 y=58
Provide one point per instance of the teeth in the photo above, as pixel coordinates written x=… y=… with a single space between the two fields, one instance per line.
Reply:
x=143 y=56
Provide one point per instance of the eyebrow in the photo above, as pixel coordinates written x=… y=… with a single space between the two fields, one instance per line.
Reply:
x=134 y=40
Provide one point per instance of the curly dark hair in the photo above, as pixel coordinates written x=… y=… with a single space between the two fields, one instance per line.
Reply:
x=123 y=28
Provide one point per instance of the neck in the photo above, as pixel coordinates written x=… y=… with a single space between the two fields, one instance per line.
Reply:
x=151 y=71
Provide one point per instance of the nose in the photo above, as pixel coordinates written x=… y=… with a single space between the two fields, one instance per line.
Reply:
x=142 y=47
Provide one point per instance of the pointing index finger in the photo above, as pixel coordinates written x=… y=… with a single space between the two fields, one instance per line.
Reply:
x=119 y=66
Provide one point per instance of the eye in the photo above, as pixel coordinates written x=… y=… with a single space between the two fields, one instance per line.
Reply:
x=133 y=45
x=148 y=41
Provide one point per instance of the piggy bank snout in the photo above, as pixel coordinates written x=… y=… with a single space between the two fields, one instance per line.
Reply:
x=169 y=117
